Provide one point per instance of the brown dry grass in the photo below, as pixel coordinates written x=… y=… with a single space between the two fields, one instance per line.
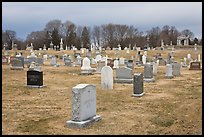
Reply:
x=170 y=106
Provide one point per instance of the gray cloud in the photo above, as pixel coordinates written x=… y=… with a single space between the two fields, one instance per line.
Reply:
x=25 y=17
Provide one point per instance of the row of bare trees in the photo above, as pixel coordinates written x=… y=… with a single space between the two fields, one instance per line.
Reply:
x=107 y=35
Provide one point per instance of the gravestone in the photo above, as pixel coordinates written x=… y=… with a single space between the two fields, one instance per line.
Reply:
x=98 y=57
x=35 y=79
x=110 y=63
x=17 y=63
x=155 y=65
x=130 y=64
x=189 y=56
x=78 y=60
x=138 y=89
x=148 y=72
x=53 y=61
x=68 y=61
x=39 y=61
x=123 y=75
x=76 y=55
x=100 y=65
x=45 y=57
x=162 y=62
x=184 y=63
x=115 y=63
x=5 y=60
x=195 y=66
x=122 y=61
x=144 y=59
x=86 y=66
x=83 y=106
x=198 y=57
x=176 y=69
x=169 y=71
x=107 y=77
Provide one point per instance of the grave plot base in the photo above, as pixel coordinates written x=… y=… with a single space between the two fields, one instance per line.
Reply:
x=195 y=69
x=129 y=81
x=169 y=77
x=148 y=79
x=184 y=66
x=35 y=86
x=82 y=124
x=17 y=68
x=87 y=72
x=138 y=95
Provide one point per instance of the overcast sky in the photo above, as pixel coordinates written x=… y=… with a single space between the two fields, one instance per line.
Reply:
x=25 y=17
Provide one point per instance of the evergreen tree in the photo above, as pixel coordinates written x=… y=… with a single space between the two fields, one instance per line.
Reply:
x=85 y=38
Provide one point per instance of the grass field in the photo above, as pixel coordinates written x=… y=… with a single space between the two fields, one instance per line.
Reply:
x=169 y=106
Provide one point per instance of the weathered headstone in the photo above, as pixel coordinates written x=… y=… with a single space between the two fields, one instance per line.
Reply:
x=122 y=61
x=176 y=69
x=17 y=63
x=155 y=65
x=83 y=106
x=100 y=65
x=138 y=89
x=130 y=64
x=195 y=66
x=68 y=61
x=169 y=71
x=107 y=77
x=78 y=60
x=53 y=61
x=148 y=73
x=123 y=75
x=162 y=62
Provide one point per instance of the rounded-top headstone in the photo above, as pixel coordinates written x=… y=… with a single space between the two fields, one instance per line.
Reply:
x=86 y=64
x=107 y=77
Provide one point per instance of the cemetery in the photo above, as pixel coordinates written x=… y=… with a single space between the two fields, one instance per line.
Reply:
x=130 y=91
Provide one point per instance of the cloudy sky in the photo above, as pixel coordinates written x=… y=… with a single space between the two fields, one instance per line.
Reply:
x=25 y=17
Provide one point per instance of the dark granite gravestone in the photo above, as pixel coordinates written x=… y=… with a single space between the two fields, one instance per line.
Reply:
x=195 y=66
x=138 y=85
x=34 y=78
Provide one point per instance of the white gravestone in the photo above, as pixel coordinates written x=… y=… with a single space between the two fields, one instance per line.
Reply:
x=86 y=66
x=83 y=106
x=107 y=77
x=144 y=59
x=115 y=64
x=122 y=61
x=189 y=56
x=155 y=65
x=98 y=57
x=198 y=57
